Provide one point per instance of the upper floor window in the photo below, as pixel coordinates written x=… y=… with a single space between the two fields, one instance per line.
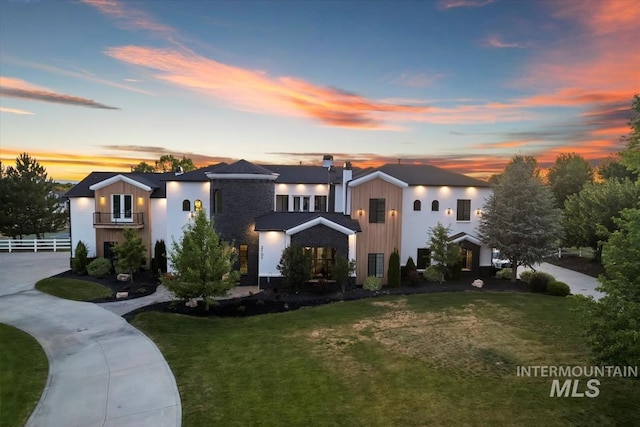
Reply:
x=320 y=203
x=186 y=205
x=376 y=210
x=197 y=205
x=463 y=213
x=282 y=203
x=301 y=203
x=417 y=205
x=217 y=201
x=122 y=207
x=435 y=206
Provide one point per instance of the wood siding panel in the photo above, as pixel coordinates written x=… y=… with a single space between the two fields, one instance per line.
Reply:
x=376 y=238
x=141 y=204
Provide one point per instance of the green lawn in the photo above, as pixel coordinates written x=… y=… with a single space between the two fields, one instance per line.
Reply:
x=439 y=359
x=23 y=374
x=73 y=289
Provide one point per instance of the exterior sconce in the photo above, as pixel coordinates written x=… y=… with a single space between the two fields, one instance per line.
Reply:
x=102 y=200
x=360 y=212
x=393 y=212
x=479 y=212
x=140 y=201
x=448 y=211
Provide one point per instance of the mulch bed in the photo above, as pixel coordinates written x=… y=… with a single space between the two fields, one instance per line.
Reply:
x=143 y=284
x=275 y=301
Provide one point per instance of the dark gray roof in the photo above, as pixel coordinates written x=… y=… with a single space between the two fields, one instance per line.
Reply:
x=304 y=174
x=243 y=167
x=280 y=221
x=198 y=175
x=153 y=180
x=430 y=175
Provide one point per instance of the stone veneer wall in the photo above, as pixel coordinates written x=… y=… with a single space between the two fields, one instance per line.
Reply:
x=242 y=201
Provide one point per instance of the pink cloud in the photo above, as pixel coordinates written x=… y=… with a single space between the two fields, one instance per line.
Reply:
x=15 y=111
x=130 y=18
x=494 y=41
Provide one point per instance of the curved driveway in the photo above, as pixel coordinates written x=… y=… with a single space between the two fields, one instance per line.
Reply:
x=102 y=371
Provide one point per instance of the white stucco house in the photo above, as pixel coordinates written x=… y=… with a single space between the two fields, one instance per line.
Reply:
x=362 y=214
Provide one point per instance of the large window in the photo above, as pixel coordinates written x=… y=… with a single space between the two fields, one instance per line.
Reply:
x=376 y=210
x=376 y=265
x=320 y=203
x=301 y=203
x=243 y=259
x=282 y=203
x=464 y=210
x=322 y=261
x=122 y=207
x=423 y=258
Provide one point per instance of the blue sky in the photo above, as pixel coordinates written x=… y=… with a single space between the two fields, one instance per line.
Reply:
x=463 y=84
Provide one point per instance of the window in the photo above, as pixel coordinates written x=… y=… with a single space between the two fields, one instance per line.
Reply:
x=376 y=211
x=282 y=203
x=217 y=201
x=464 y=210
x=186 y=205
x=243 y=259
x=423 y=259
x=376 y=265
x=197 y=205
x=301 y=203
x=435 y=206
x=121 y=207
x=320 y=203
x=417 y=205
x=322 y=261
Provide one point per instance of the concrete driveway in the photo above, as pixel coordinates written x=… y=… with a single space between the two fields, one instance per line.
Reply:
x=102 y=371
x=580 y=284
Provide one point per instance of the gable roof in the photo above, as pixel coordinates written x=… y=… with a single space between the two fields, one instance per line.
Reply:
x=198 y=175
x=153 y=181
x=293 y=222
x=241 y=169
x=305 y=174
x=430 y=175
x=378 y=175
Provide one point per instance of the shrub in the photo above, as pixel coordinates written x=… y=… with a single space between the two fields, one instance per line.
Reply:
x=342 y=270
x=432 y=274
x=505 y=274
x=159 y=260
x=295 y=266
x=557 y=288
x=393 y=272
x=81 y=259
x=130 y=253
x=539 y=281
x=99 y=267
x=372 y=283
x=525 y=276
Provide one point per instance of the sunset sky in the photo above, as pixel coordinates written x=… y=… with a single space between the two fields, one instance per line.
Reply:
x=464 y=84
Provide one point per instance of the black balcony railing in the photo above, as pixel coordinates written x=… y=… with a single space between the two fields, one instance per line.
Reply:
x=118 y=219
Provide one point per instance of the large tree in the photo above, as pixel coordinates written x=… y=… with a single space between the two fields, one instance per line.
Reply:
x=568 y=175
x=28 y=201
x=589 y=216
x=201 y=263
x=520 y=218
x=168 y=163
x=613 y=168
x=445 y=255
x=631 y=154
x=130 y=253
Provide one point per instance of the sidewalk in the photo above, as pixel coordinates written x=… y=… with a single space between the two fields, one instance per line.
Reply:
x=102 y=371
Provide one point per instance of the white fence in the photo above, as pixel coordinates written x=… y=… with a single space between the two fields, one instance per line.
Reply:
x=35 y=245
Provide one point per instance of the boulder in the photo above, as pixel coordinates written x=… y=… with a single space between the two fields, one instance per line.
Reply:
x=478 y=283
x=122 y=277
x=191 y=303
x=122 y=295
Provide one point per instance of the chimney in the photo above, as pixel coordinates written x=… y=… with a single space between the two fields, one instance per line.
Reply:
x=347 y=175
x=179 y=171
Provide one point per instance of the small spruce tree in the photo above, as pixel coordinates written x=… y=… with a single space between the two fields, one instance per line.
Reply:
x=393 y=272
x=80 y=260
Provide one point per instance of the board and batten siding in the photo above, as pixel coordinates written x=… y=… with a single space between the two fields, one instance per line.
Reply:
x=379 y=237
x=141 y=204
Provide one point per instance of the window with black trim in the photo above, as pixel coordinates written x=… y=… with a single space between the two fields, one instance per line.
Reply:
x=375 y=265
x=320 y=203
x=417 y=205
x=435 y=206
x=301 y=203
x=122 y=207
x=282 y=203
x=463 y=213
x=186 y=205
x=243 y=259
x=217 y=201
x=376 y=211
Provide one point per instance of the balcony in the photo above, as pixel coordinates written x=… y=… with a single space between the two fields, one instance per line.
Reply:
x=118 y=220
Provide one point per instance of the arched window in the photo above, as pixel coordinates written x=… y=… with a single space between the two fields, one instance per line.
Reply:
x=197 y=205
x=435 y=206
x=417 y=205
x=186 y=205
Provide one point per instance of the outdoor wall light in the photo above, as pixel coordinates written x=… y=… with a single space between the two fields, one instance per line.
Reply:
x=360 y=212
x=140 y=201
x=393 y=212
x=479 y=212
x=448 y=211
x=102 y=200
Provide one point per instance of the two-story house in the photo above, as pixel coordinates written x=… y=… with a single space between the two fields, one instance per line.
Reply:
x=361 y=214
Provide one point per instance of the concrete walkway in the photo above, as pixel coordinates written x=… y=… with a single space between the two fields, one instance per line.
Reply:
x=102 y=371
x=578 y=283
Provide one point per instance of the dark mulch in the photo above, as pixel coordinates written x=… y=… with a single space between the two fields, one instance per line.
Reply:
x=584 y=265
x=275 y=301
x=144 y=283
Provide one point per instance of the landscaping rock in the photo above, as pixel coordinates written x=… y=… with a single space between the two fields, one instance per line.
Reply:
x=122 y=277
x=120 y=295
x=478 y=283
x=191 y=303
